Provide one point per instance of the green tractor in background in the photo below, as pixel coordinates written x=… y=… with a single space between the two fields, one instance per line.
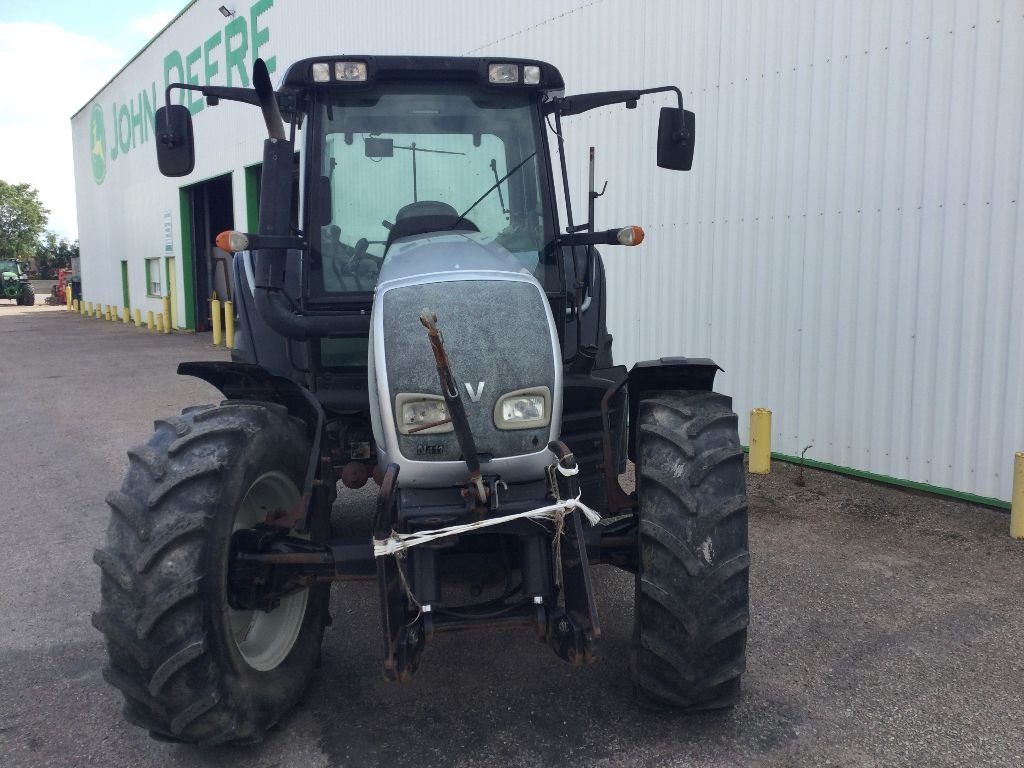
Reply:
x=14 y=283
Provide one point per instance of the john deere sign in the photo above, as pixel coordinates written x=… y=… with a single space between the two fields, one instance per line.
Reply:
x=98 y=147
x=224 y=58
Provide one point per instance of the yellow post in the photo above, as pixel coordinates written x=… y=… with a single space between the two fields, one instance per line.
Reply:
x=74 y=303
x=88 y=306
x=138 y=318
x=167 y=314
x=1017 y=505
x=760 y=441
x=114 y=313
x=159 y=322
x=98 y=312
x=229 y=325
x=127 y=315
x=67 y=294
x=215 y=320
x=150 y=320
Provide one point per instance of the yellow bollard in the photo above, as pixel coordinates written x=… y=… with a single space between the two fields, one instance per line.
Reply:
x=115 y=313
x=167 y=314
x=67 y=295
x=89 y=308
x=159 y=322
x=215 y=320
x=127 y=316
x=74 y=303
x=99 y=311
x=229 y=325
x=150 y=320
x=1017 y=505
x=138 y=318
x=760 y=441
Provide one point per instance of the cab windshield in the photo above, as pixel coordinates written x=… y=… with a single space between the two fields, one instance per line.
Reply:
x=411 y=159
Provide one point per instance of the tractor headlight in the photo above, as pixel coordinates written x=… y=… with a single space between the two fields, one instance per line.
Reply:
x=422 y=414
x=523 y=409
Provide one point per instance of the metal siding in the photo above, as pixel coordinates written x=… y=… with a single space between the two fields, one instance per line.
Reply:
x=845 y=246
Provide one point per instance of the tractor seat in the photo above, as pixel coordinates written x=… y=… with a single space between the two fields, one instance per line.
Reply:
x=426 y=216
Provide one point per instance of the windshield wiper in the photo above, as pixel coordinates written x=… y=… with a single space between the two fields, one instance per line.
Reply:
x=493 y=187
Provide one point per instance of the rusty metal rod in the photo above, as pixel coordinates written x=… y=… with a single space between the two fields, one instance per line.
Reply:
x=453 y=401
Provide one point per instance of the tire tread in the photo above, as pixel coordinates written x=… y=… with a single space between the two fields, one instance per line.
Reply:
x=692 y=608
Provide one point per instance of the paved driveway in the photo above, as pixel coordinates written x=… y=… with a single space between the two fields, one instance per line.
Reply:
x=887 y=626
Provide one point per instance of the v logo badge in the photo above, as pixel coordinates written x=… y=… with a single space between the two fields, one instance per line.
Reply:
x=475 y=396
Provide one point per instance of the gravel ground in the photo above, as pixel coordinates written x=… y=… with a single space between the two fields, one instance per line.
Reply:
x=887 y=626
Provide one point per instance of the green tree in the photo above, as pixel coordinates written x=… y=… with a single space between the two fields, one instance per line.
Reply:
x=22 y=220
x=52 y=253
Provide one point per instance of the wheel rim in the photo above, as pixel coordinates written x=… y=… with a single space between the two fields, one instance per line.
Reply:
x=265 y=638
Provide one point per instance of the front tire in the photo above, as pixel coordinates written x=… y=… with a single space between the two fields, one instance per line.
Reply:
x=692 y=604
x=191 y=667
x=28 y=296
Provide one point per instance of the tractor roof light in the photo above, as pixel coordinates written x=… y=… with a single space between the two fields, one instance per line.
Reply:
x=503 y=73
x=321 y=72
x=350 y=71
x=531 y=74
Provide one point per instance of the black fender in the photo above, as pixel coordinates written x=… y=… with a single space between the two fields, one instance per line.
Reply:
x=245 y=381
x=675 y=373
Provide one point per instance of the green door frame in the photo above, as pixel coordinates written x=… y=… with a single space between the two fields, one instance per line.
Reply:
x=252 y=203
x=187 y=257
x=126 y=296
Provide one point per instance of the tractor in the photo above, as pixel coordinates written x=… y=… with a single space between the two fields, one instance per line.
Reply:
x=14 y=283
x=426 y=317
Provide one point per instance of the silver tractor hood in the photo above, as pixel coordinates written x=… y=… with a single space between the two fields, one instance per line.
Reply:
x=500 y=338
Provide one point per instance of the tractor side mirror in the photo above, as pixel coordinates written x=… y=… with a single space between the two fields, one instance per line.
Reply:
x=378 y=148
x=175 y=147
x=676 y=130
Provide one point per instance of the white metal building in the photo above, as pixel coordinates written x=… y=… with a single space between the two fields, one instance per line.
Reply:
x=847 y=246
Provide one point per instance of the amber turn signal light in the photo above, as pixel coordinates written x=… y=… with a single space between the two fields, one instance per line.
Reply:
x=633 y=235
x=232 y=241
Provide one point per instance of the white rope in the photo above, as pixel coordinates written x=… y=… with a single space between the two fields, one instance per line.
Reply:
x=398 y=542
x=566 y=472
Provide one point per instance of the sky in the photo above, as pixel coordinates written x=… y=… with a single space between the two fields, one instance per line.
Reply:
x=54 y=56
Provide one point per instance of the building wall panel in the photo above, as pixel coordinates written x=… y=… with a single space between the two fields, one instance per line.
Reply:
x=846 y=246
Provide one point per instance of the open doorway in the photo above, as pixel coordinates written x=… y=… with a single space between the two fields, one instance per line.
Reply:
x=211 y=211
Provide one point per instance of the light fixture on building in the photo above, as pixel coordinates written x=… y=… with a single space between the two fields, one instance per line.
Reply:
x=226 y=12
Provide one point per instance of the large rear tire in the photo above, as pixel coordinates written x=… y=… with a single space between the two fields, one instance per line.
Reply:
x=28 y=296
x=191 y=667
x=692 y=605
